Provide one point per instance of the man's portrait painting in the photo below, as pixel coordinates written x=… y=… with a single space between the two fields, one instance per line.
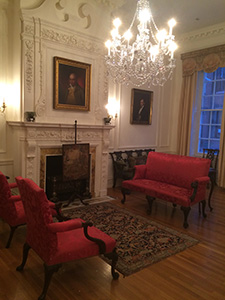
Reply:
x=72 y=84
x=141 y=107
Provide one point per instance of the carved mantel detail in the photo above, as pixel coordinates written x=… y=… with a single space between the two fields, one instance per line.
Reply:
x=33 y=137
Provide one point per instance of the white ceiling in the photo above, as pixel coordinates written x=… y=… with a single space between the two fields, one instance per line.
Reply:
x=190 y=14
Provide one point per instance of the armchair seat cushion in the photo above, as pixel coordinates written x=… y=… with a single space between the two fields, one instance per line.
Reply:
x=84 y=247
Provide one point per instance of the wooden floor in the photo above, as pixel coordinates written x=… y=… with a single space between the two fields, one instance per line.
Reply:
x=196 y=273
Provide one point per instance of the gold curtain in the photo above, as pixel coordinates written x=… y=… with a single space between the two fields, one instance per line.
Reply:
x=207 y=60
x=188 y=91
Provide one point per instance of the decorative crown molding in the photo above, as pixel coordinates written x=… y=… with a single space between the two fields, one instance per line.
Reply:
x=111 y=3
x=207 y=33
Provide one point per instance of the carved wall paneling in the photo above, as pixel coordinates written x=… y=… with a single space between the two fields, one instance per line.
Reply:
x=40 y=39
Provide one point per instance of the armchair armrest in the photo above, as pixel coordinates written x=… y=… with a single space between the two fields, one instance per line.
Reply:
x=13 y=185
x=75 y=224
x=140 y=171
x=99 y=242
x=65 y=226
x=15 y=198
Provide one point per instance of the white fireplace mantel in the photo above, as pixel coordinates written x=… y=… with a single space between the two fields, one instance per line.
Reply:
x=29 y=138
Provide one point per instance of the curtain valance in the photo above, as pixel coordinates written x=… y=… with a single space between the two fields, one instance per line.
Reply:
x=207 y=60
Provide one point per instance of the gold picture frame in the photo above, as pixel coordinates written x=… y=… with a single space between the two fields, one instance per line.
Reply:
x=72 y=84
x=141 y=107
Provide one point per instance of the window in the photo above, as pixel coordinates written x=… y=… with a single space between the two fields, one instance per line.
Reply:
x=207 y=111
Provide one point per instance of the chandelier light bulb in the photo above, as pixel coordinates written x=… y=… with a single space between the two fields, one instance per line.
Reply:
x=108 y=44
x=117 y=23
x=154 y=51
x=172 y=47
x=161 y=35
x=149 y=58
x=144 y=15
x=127 y=35
x=172 y=23
x=114 y=33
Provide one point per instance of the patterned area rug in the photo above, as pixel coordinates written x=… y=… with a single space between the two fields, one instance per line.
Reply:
x=140 y=242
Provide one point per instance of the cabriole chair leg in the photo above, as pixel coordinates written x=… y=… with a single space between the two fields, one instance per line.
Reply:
x=114 y=257
x=49 y=271
x=186 y=211
x=26 y=249
x=13 y=228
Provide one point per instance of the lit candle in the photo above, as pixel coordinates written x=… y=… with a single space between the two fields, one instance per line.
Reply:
x=172 y=48
x=171 y=23
x=108 y=45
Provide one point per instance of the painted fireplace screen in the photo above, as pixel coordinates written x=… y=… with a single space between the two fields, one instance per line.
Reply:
x=76 y=162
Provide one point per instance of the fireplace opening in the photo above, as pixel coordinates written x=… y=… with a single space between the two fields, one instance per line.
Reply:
x=58 y=189
x=53 y=169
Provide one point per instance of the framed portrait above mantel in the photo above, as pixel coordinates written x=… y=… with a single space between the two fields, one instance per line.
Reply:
x=141 y=107
x=72 y=84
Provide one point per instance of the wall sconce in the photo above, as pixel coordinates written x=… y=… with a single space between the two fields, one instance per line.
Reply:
x=113 y=109
x=3 y=107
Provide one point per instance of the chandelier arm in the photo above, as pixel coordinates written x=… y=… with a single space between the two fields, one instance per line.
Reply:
x=152 y=33
x=132 y=23
x=153 y=22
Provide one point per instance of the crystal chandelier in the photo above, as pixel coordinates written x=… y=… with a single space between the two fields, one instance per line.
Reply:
x=149 y=59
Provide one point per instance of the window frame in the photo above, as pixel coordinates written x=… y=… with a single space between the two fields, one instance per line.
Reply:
x=196 y=115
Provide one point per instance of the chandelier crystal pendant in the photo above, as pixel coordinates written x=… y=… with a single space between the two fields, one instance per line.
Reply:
x=149 y=58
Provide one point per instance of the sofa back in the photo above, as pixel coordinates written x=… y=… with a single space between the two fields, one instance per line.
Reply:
x=174 y=169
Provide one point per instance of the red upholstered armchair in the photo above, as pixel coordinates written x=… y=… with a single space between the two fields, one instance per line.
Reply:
x=12 y=210
x=11 y=207
x=57 y=243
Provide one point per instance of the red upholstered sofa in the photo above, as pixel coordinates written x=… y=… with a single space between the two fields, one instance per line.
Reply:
x=181 y=180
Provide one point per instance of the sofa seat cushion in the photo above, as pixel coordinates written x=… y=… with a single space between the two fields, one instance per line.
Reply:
x=161 y=190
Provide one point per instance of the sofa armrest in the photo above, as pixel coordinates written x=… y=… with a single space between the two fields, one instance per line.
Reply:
x=194 y=185
x=140 y=171
x=198 y=186
x=203 y=180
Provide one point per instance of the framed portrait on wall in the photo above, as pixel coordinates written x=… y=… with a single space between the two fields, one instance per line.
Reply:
x=72 y=83
x=141 y=107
